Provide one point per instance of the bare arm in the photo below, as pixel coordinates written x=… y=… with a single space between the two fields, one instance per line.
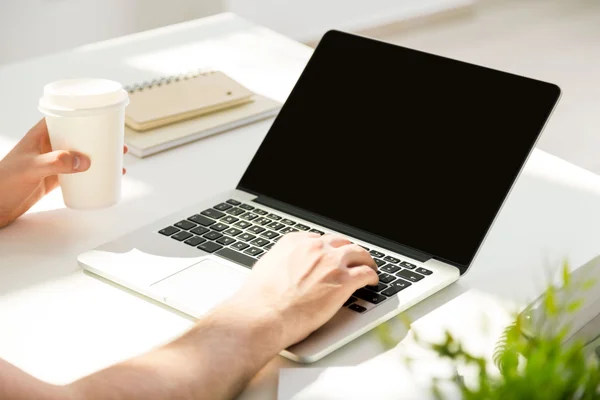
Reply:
x=293 y=290
x=214 y=360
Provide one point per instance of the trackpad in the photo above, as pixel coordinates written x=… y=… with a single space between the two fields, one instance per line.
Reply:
x=197 y=289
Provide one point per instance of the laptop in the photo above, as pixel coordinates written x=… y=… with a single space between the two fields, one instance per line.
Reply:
x=409 y=154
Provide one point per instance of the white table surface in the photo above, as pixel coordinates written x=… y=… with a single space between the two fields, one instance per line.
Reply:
x=60 y=324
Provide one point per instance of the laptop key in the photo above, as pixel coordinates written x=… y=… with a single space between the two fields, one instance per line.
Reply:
x=243 y=224
x=246 y=207
x=375 y=253
x=391 y=259
x=269 y=234
x=287 y=221
x=219 y=227
x=225 y=241
x=269 y=246
x=240 y=245
x=199 y=230
x=366 y=248
x=181 y=236
x=169 y=230
x=380 y=262
x=210 y=247
x=223 y=207
x=351 y=300
x=423 y=271
x=262 y=221
x=239 y=258
x=288 y=230
x=233 y=202
x=302 y=227
x=185 y=225
x=317 y=231
x=246 y=237
x=229 y=219
x=213 y=213
x=386 y=278
x=232 y=231
x=256 y=229
x=380 y=286
x=253 y=251
x=274 y=217
x=195 y=241
x=408 y=265
x=409 y=275
x=276 y=226
x=396 y=287
x=260 y=212
x=235 y=211
x=260 y=242
x=201 y=220
x=369 y=296
x=212 y=235
x=357 y=308
x=249 y=216
x=389 y=268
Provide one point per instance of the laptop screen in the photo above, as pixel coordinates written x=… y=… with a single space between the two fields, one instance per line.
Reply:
x=411 y=147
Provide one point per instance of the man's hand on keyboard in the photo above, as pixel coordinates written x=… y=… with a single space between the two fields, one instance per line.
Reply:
x=293 y=290
x=305 y=279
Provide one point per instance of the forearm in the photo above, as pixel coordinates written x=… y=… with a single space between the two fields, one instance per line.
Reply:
x=215 y=360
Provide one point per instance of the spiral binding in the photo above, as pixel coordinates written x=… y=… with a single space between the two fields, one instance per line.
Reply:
x=165 y=80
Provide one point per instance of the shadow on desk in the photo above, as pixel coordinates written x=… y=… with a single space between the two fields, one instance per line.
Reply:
x=44 y=243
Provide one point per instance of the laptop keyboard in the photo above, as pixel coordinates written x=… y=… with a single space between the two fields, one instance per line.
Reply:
x=243 y=233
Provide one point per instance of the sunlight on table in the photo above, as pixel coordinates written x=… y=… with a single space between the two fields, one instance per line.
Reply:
x=553 y=169
x=132 y=189
x=230 y=54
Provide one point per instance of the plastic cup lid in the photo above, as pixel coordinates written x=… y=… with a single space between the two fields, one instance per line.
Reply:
x=82 y=94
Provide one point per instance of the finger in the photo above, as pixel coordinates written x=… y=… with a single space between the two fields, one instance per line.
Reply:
x=299 y=235
x=60 y=162
x=362 y=275
x=124 y=171
x=34 y=136
x=51 y=183
x=125 y=149
x=38 y=129
x=354 y=255
x=335 y=240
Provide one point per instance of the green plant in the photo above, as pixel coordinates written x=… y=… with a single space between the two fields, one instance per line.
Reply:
x=533 y=359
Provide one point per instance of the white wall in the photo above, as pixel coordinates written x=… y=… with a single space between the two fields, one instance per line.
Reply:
x=308 y=20
x=33 y=27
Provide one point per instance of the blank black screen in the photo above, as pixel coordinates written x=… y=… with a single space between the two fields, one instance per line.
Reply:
x=416 y=148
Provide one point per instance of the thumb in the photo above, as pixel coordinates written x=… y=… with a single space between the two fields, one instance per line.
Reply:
x=61 y=162
x=363 y=275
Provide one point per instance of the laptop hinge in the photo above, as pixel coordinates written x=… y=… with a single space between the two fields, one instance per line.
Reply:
x=343 y=228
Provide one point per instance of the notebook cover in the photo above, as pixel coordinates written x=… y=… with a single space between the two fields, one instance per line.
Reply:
x=182 y=98
x=142 y=144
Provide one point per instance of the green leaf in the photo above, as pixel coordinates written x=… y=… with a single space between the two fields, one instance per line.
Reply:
x=566 y=276
x=385 y=336
x=574 y=305
x=532 y=366
x=588 y=284
x=550 y=301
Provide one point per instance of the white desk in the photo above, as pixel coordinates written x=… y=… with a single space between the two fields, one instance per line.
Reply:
x=60 y=324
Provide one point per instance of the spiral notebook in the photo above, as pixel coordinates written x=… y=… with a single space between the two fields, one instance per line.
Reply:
x=175 y=110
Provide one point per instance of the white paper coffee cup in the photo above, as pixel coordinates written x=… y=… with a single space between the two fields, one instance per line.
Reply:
x=88 y=116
